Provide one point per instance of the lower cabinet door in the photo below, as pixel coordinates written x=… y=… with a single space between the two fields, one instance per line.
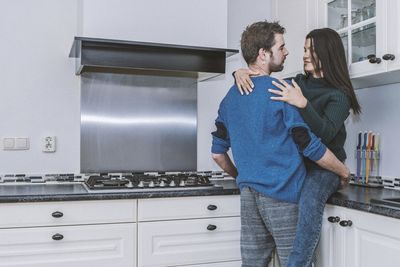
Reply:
x=372 y=240
x=86 y=246
x=218 y=264
x=329 y=251
x=185 y=242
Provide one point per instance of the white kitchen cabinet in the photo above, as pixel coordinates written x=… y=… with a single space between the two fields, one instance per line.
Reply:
x=359 y=239
x=298 y=17
x=65 y=246
x=330 y=249
x=188 y=231
x=73 y=233
x=393 y=26
x=219 y=264
x=193 y=207
x=67 y=213
x=362 y=26
x=182 y=242
x=367 y=27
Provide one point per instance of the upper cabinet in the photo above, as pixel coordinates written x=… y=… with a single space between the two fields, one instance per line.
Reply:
x=369 y=32
x=362 y=27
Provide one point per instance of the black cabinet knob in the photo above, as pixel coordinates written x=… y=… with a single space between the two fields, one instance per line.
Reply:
x=333 y=219
x=57 y=237
x=388 y=57
x=373 y=59
x=57 y=214
x=212 y=207
x=211 y=227
x=347 y=223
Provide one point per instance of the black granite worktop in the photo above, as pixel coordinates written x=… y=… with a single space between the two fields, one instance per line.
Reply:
x=353 y=197
x=359 y=198
x=76 y=191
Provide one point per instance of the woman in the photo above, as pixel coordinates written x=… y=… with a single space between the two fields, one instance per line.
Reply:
x=324 y=96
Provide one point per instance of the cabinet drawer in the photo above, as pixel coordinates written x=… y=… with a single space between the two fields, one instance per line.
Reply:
x=185 y=242
x=219 y=264
x=81 y=246
x=188 y=207
x=66 y=213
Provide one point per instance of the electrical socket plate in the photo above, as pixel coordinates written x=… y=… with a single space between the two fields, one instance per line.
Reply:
x=49 y=144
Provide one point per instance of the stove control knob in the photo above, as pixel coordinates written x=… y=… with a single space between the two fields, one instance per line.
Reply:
x=151 y=184
x=172 y=183
x=182 y=183
x=140 y=184
x=162 y=183
x=129 y=185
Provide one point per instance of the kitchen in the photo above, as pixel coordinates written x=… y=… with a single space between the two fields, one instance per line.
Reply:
x=41 y=98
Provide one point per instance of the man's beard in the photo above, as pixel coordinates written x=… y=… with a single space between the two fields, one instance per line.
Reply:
x=276 y=68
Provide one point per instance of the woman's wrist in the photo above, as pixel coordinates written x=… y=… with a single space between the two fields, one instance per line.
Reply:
x=303 y=103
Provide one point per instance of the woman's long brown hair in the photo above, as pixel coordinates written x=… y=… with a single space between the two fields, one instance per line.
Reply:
x=331 y=59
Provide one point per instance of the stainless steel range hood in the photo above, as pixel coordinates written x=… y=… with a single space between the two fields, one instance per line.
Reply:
x=129 y=57
x=139 y=103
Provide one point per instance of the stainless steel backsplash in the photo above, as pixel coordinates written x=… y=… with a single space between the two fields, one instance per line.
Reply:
x=138 y=122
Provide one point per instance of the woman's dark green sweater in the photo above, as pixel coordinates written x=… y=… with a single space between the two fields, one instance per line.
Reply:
x=327 y=109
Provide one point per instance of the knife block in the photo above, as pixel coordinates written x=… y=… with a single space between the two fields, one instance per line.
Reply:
x=372 y=159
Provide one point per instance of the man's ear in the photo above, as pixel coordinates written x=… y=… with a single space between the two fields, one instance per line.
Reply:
x=261 y=53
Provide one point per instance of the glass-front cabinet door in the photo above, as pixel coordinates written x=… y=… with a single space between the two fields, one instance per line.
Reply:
x=361 y=25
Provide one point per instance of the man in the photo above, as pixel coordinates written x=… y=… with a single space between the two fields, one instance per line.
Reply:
x=268 y=139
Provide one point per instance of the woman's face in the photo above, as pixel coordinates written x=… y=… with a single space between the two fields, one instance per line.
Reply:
x=308 y=59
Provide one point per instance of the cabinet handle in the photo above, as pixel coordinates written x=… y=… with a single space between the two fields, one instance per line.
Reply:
x=347 y=223
x=57 y=237
x=373 y=59
x=388 y=57
x=57 y=214
x=333 y=219
x=212 y=207
x=211 y=227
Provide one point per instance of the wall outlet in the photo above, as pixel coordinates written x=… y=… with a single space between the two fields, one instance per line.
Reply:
x=49 y=144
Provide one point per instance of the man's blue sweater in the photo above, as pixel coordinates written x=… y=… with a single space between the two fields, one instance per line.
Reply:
x=259 y=131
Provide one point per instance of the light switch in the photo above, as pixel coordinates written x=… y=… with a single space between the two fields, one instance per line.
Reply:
x=16 y=143
x=8 y=143
x=21 y=143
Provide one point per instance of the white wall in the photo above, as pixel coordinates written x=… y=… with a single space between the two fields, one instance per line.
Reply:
x=211 y=92
x=380 y=113
x=39 y=91
x=194 y=22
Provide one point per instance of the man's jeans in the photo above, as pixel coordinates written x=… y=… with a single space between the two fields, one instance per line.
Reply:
x=318 y=186
x=266 y=224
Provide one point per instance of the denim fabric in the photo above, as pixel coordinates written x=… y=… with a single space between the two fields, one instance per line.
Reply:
x=266 y=224
x=318 y=186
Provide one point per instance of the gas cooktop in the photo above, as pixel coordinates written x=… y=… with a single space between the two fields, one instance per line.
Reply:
x=124 y=182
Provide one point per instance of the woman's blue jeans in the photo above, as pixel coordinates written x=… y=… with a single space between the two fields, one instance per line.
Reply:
x=318 y=186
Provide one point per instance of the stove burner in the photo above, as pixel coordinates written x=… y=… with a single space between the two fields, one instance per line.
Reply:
x=105 y=181
x=147 y=181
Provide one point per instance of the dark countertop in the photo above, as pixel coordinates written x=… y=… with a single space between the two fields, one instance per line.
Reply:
x=359 y=198
x=75 y=191
x=353 y=197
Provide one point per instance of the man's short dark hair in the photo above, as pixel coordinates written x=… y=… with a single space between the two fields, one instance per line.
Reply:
x=259 y=35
